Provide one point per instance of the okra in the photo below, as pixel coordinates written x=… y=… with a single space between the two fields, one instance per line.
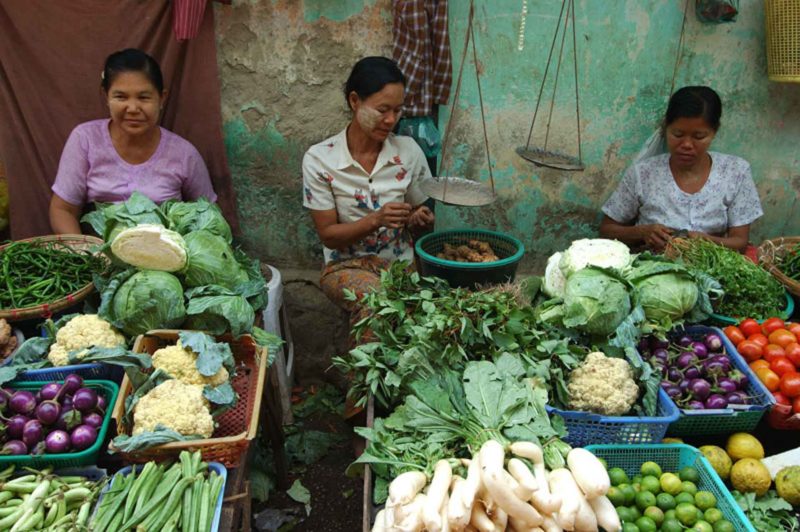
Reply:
x=173 y=503
x=204 y=521
x=164 y=487
x=111 y=511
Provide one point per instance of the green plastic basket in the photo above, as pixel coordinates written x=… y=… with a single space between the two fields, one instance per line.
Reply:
x=718 y=319
x=469 y=274
x=81 y=458
x=672 y=458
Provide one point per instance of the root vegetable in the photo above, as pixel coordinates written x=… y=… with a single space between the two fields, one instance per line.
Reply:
x=491 y=456
x=403 y=489
x=457 y=512
x=502 y=494
x=563 y=484
x=499 y=518
x=606 y=514
x=550 y=525
x=588 y=472
x=529 y=450
x=522 y=474
x=380 y=521
x=410 y=519
x=443 y=515
x=472 y=484
x=520 y=491
x=480 y=520
x=585 y=520
x=542 y=499
x=431 y=511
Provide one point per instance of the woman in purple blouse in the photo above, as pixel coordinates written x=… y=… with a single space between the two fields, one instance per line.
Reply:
x=107 y=160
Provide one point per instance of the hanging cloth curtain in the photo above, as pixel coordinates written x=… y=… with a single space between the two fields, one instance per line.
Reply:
x=187 y=17
x=51 y=56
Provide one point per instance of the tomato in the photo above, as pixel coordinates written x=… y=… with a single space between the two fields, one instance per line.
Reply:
x=759 y=338
x=782 y=337
x=734 y=334
x=794 y=328
x=759 y=364
x=771 y=351
x=769 y=378
x=782 y=366
x=771 y=325
x=781 y=399
x=750 y=327
x=796 y=405
x=790 y=384
x=751 y=351
x=793 y=353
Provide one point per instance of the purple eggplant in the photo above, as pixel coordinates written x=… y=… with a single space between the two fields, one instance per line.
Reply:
x=700 y=389
x=69 y=419
x=739 y=378
x=661 y=355
x=33 y=432
x=66 y=402
x=716 y=402
x=684 y=385
x=49 y=391
x=684 y=341
x=686 y=359
x=57 y=441
x=14 y=447
x=699 y=349
x=47 y=412
x=696 y=405
x=14 y=426
x=83 y=437
x=22 y=402
x=692 y=373
x=94 y=419
x=674 y=375
x=714 y=367
x=101 y=402
x=713 y=342
x=726 y=385
x=673 y=391
x=736 y=398
x=84 y=400
x=643 y=346
x=658 y=343
x=72 y=383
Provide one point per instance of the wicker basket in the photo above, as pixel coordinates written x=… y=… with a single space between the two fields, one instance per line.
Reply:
x=77 y=242
x=782 y=18
x=769 y=250
x=236 y=427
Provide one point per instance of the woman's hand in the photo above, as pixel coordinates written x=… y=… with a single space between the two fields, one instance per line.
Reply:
x=421 y=218
x=393 y=215
x=655 y=236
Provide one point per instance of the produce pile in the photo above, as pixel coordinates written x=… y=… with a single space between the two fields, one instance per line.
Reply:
x=472 y=251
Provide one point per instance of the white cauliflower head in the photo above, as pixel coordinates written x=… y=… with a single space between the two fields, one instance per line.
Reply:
x=602 y=385
x=174 y=405
x=81 y=333
x=181 y=364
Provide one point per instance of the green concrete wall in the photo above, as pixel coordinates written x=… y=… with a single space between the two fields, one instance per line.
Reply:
x=283 y=62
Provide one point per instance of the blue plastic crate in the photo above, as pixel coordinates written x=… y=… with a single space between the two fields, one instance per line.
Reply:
x=93 y=371
x=218 y=468
x=737 y=418
x=672 y=458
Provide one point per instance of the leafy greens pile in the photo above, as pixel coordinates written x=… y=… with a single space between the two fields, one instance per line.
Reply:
x=768 y=512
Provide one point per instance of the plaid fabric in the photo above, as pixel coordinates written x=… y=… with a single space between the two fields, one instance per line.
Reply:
x=422 y=51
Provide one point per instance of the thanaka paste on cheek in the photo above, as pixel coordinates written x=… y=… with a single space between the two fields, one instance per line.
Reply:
x=367 y=118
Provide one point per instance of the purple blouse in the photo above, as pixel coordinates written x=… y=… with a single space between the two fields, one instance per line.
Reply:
x=91 y=170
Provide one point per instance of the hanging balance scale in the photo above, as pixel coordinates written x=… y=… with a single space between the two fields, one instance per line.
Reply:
x=542 y=156
x=459 y=190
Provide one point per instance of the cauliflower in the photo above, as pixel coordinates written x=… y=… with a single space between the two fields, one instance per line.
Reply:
x=602 y=385
x=599 y=252
x=81 y=333
x=174 y=405
x=181 y=364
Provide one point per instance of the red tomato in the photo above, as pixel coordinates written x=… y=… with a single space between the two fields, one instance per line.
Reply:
x=769 y=378
x=759 y=364
x=759 y=338
x=792 y=352
x=796 y=405
x=771 y=325
x=734 y=334
x=782 y=366
x=790 y=384
x=751 y=351
x=782 y=337
x=794 y=328
x=771 y=351
x=781 y=399
x=750 y=327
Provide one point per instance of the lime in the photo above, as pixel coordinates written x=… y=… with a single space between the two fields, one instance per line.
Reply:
x=644 y=500
x=656 y=514
x=712 y=515
x=616 y=496
x=670 y=483
x=629 y=493
x=689 y=487
x=684 y=497
x=645 y=524
x=635 y=513
x=603 y=461
x=669 y=514
x=651 y=468
x=689 y=473
x=700 y=514
x=702 y=526
x=636 y=479
x=618 y=476
x=624 y=514
x=629 y=527
x=671 y=525
x=637 y=487
x=665 y=501
x=686 y=513
x=651 y=484
x=705 y=500
x=723 y=525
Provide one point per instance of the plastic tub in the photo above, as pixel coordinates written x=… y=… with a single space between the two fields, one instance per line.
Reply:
x=469 y=274
x=742 y=418
x=672 y=458
x=718 y=319
x=75 y=459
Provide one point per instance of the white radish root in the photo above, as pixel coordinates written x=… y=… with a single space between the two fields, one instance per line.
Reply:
x=499 y=490
x=410 y=519
x=480 y=520
x=443 y=515
x=522 y=474
x=405 y=487
x=380 y=522
x=607 y=516
x=520 y=491
x=550 y=524
x=561 y=482
x=458 y=514
x=585 y=520
x=472 y=483
x=491 y=456
x=437 y=491
x=499 y=518
x=589 y=473
x=544 y=501
x=527 y=449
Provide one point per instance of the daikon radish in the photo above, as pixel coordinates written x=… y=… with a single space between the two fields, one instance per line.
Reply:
x=499 y=518
x=522 y=474
x=491 y=456
x=457 y=513
x=562 y=483
x=527 y=449
x=607 y=517
x=589 y=473
x=585 y=520
x=380 y=521
x=411 y=516
x=443 y=515
x=470 y=528
x=472 y=483
x=480 y=520
x=504 y=497
x=520 y=491
x=550 y=524
x=542 y=499
x=405 y=487
x=432 y=510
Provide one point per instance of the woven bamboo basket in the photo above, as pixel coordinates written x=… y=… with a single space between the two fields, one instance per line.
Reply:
x=782 y=19
x=776 y=248
x=46 y=310
x=236 y=428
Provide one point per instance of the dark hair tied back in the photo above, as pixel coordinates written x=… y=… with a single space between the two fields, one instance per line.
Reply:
x=693 y=102
x=131 y=60
x=370 y=75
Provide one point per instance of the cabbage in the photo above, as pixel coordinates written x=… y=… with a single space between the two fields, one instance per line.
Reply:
x=147 y=300
x=150 y=247
x=215 y=309
x=554 y=280
x=595 y=302
x=211 y=261
x=110 y=219
x=598 y=252
x=185 y=217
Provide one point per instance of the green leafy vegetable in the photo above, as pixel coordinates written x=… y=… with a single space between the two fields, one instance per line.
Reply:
x=216 y=310
x=118 y=356
x=211 y=355
x=220 y=395
x=768 y=512
x=127 y=444
x=300 y=493
x=595 y=301
x=143 y=301
x=201 y=214
x=109 y=219
x=212 y=261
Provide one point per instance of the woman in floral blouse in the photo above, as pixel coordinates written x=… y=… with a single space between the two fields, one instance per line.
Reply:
x=689 y=189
